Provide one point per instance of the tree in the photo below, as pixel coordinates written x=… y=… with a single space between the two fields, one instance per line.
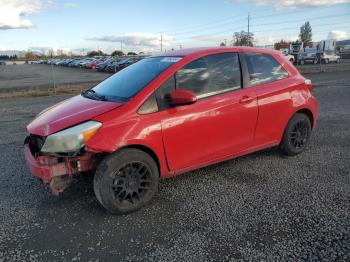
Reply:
x=243 y=39
x=281 y=44
x=117 y=53
x=306 y=34
x=132 y=53
x=30 y=56
x=222 y=44
x=95 y=53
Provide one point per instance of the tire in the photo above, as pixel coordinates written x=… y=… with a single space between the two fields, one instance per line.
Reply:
x=126 y=181
x=296 y=135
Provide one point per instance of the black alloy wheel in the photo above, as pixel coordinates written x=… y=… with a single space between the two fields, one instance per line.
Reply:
x=131 y=183
x=299 y=135
x=126 y=180
x=296 y=135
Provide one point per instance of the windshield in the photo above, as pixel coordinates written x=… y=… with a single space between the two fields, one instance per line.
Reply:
x=310 y=50
x=128 y=82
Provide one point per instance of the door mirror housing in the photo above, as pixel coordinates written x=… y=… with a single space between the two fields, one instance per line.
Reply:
x=182 y=97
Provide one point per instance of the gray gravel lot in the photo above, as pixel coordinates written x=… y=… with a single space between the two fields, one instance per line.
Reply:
x=23 y=77
x=259 y=207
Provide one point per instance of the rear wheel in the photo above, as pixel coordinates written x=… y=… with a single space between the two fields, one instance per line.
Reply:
x=297 y=135
x=126 y=181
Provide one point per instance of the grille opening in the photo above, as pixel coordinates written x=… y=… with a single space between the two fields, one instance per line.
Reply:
x=35 y=144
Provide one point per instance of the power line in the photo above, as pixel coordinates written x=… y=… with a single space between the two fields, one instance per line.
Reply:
x=224 y=20
x=252 y=25
x=287 y=28
x=231 y=30
x=260 y=31
x=303 y=19
x=212 y=26
x=233 y=19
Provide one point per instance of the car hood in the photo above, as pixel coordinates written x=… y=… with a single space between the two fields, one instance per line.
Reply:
x=68 y=113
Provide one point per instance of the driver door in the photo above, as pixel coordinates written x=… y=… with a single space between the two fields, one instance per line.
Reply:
x=221 y=122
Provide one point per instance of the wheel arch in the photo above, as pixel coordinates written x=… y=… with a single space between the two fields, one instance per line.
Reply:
x=145 y=149
x=306 y=112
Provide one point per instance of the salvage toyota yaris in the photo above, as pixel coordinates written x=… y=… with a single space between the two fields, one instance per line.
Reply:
x=168 y=114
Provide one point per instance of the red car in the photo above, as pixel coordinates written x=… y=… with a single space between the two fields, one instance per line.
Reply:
x=93 y=64
x=168 y=114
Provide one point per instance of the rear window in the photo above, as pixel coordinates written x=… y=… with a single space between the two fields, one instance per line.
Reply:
x=128 y=82
x=263 y=68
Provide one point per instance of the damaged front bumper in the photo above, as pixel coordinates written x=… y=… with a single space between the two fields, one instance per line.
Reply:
x=57 y=171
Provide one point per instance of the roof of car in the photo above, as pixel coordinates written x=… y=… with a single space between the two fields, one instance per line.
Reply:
x=191 y=51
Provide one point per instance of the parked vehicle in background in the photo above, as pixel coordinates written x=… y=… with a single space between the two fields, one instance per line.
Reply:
x=2 y=62
x=114 y=65
x=92 y=64
x=327 y=50
x=290 y=58
x=117 y=66
x=344 y=51
x=169 y=114
x=330 y=58
x=102 y=66
x=295 y=49
x=309 y=55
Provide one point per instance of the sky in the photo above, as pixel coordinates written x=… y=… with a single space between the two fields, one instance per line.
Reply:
x=138 y=25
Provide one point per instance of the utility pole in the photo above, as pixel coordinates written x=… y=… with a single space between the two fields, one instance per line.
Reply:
x=248 y=22
x=161 y=42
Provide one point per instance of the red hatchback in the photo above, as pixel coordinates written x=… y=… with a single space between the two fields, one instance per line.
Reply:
x=168 y=114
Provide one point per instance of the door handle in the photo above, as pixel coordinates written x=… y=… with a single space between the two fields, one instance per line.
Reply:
x=246 y=99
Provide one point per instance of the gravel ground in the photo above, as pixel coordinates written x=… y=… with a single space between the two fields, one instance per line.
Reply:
x=259 y=207
x=24 y=77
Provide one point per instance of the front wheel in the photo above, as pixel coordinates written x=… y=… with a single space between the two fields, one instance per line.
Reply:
x=126 y=181
x=297 y=135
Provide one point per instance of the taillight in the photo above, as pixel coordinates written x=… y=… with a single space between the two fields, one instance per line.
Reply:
x=309 y=85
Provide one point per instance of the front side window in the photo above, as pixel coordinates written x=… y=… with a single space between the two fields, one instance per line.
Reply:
x=128 y=82
x=210 y=75
x=263 y=68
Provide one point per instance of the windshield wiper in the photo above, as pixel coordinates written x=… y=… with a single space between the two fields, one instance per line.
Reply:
x=90 y=93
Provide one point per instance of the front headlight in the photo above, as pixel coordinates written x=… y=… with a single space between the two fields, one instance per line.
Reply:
x=71 y=139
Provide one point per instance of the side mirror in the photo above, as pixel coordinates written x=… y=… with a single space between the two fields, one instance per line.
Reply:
x=182 y=97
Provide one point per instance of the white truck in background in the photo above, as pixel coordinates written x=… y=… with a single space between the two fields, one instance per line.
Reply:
x=295 y=49
x=289 y=57
x=327 y=51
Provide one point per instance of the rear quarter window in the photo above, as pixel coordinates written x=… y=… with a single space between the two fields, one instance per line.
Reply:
x=263 y=68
